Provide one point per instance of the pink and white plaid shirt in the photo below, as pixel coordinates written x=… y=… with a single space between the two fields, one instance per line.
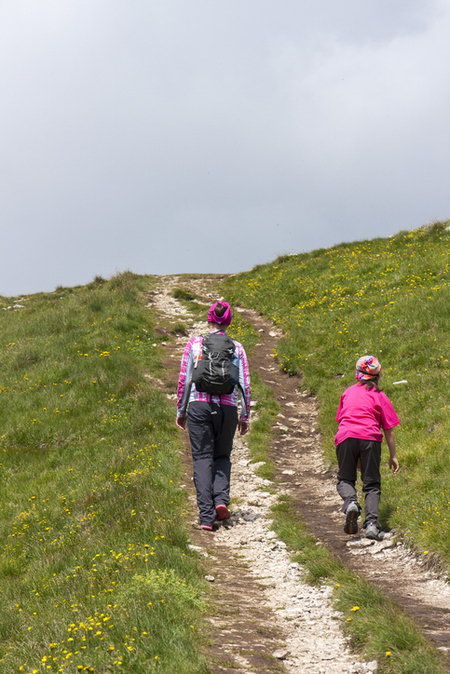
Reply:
x=192 y=350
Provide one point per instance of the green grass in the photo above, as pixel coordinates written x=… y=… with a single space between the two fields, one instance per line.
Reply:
x=182 y=294
x=95 y=569
x=244 y=332
x=388 y=298
x=263 y=415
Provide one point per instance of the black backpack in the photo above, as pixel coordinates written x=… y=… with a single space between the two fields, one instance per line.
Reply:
x=214 y=372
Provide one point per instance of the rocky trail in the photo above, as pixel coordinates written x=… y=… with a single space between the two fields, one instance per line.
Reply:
x=267 y=619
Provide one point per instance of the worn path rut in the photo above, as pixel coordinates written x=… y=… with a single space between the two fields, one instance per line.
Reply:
x=267 y=619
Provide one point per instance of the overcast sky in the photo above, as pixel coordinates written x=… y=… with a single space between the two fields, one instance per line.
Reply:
x=209 y=136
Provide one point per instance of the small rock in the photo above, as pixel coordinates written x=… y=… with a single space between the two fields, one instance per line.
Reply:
x=258 y=464
x=360 y=543
x=288 y=472
x=210 y=579
x=280 y=655
x=372 y=666
x=382 y=545
x=196 y=548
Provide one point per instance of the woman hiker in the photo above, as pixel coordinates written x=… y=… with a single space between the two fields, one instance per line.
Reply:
x=212 y=417
x=363 y=411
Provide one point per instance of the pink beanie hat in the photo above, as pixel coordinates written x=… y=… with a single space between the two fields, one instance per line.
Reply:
x=220 y=320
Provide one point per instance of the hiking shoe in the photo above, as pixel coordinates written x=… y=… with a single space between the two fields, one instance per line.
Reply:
x=222 y=512
x=207 y=527
x=351 y=518
x=372 y=531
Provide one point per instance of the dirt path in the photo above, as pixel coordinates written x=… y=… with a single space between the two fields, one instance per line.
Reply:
x=267 y=619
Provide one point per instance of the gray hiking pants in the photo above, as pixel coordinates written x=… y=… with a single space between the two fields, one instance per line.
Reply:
x=369 y=452
x=211 y=432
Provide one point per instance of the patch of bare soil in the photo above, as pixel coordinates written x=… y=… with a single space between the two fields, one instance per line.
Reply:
x=264 y=617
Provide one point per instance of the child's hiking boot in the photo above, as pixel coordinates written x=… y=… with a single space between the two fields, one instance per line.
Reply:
x=372 y=532
x=351 y=518
x=222 y=512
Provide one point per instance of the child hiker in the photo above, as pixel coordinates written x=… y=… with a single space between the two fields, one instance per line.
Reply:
x=363 y=411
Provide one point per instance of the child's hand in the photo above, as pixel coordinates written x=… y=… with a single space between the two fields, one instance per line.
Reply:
x=393 y=464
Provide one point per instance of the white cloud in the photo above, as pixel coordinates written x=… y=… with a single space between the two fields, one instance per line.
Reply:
x=136 y=134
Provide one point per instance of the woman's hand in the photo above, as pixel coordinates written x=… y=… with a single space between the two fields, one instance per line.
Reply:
x=181 y=422
x=243 y=427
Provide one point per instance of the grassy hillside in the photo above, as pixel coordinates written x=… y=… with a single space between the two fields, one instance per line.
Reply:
x=95 y=569
x=389 y=298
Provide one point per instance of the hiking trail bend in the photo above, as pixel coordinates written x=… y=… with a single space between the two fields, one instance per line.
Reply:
x=267 y=619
